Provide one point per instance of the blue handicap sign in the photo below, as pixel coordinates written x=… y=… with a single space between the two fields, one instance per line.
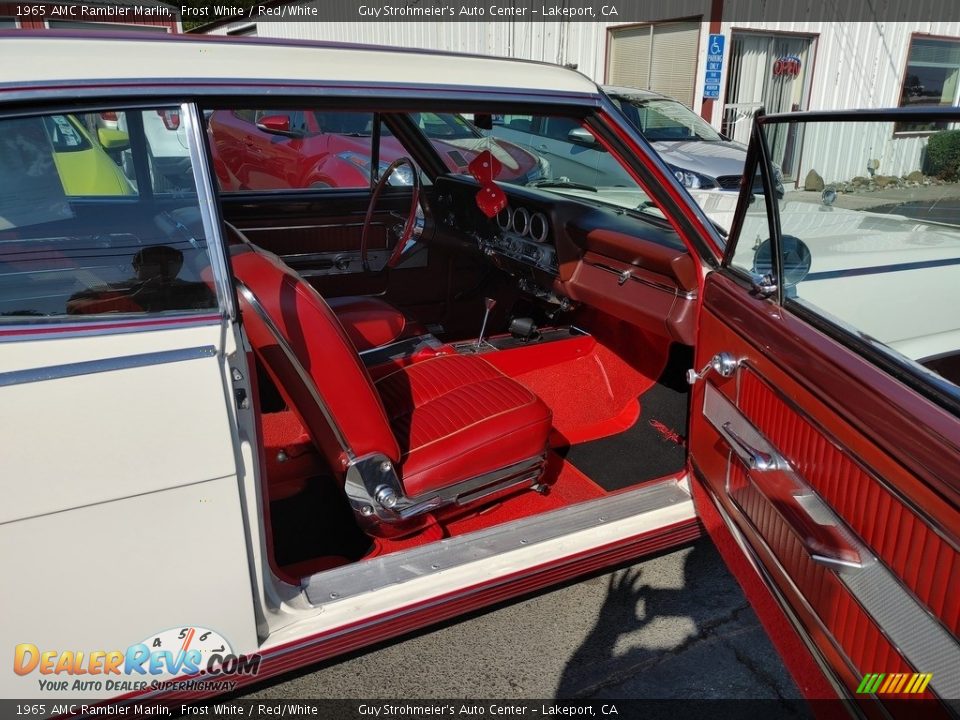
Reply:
x=714 y=69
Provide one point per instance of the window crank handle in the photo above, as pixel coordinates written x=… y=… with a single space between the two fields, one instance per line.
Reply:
x=723 y=363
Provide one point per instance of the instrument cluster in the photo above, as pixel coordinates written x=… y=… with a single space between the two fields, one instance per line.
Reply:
x=524 y=235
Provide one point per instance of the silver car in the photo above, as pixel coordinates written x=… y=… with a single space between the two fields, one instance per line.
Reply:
x=700 y=157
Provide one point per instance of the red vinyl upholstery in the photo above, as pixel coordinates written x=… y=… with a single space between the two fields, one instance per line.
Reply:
x=323 y=349
x=440 y=421
x=456 y=416
x=371 y=322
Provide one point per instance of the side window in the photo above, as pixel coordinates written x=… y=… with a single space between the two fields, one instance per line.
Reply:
x=266 y=149
x=872 y=245
x=79 y=237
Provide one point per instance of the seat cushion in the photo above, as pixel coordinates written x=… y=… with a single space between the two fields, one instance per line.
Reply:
x=371 y=322
x=456 y=417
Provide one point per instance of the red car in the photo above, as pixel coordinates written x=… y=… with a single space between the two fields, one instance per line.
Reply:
x=282 y=149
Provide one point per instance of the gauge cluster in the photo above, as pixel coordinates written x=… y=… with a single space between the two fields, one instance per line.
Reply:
x=524 y=235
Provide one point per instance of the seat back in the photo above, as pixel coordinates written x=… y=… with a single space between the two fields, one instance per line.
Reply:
x=322 y=348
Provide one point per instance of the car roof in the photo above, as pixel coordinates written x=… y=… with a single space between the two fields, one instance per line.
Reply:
x=38 y=58
x=633 y=93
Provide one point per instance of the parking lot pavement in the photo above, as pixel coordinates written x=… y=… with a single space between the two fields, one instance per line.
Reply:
x=673 y=626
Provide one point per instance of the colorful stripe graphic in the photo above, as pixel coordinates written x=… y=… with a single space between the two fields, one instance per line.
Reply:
x=894 y=683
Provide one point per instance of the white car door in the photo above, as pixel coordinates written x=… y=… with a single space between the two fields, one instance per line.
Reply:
x=121 y=519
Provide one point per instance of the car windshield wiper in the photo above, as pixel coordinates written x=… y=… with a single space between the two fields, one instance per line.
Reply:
x=562 y=184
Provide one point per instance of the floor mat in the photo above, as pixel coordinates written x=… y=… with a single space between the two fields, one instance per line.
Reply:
x=654 y=446
x=591 y=396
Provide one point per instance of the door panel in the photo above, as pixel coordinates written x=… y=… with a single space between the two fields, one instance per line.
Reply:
x=806 y=398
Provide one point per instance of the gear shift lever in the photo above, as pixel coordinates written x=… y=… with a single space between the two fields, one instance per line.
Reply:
x=490 y=305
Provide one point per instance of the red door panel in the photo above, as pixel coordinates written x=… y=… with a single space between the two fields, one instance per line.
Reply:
x=860 y=448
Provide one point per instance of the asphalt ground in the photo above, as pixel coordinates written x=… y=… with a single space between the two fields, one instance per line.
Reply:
x=675 y=626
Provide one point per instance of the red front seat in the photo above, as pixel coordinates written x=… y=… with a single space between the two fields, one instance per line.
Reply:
x=446 y=431
x=371 y=322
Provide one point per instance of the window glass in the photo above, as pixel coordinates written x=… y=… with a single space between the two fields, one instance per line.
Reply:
x=563 y=157
x=876 y=255
x=932 y=77
x=660 y=119
x=280 y=150
x=77 y=236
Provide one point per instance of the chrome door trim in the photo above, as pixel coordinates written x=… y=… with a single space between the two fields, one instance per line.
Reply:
x=381 y=572
x=916 y=634
x=91 y=367
x=209 y=206
x=299 y=369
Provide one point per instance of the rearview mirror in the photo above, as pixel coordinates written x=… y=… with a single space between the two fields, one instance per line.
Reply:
x=582 y=136
x=278 y=125
x=113 y=140
x=484 y=121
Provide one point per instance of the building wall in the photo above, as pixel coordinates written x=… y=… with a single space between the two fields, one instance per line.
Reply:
x=854 y=64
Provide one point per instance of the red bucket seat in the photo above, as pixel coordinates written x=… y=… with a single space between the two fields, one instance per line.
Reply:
x=446 y=431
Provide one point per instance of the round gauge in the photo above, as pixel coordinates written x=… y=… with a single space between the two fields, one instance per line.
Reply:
x=538 y=227
x=521 y=221
x=505 y=218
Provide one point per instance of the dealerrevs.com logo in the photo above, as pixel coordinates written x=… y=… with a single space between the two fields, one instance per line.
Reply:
x=182 y=655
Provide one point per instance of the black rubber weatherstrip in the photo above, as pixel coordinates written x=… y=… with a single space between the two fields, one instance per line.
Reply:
x=654 y=446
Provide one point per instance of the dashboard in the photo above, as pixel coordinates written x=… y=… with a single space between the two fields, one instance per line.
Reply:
x=568 y=251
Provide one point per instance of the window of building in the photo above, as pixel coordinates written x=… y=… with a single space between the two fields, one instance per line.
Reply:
x=661 y=57
x=932 y=77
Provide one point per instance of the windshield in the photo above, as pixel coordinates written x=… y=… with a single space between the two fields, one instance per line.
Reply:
x=662 y=119
x=559 y=155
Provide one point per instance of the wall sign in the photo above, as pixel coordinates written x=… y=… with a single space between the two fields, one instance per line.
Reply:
x=788 y=65
x=711 y=82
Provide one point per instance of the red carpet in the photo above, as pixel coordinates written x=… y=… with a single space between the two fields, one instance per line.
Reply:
x=570 y=487
x=591 y=396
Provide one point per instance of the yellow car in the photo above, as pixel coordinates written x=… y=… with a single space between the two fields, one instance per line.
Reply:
x=82 y=162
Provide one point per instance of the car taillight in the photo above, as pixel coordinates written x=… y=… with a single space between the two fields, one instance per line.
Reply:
x=108 y=116
x=171 y=118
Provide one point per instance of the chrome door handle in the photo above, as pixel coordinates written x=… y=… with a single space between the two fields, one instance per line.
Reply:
x=755 y=458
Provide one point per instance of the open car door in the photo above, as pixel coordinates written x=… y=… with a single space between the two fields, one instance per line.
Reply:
x=826 y=420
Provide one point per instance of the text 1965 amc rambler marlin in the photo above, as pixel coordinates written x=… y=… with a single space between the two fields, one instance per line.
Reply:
x=245 y=430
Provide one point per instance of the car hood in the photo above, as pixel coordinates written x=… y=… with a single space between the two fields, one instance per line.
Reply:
x=713 y=159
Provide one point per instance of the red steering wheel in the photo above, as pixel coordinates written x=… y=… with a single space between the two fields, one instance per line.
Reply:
x=411 y=222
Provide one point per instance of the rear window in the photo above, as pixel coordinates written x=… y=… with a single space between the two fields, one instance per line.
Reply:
x=95 y=222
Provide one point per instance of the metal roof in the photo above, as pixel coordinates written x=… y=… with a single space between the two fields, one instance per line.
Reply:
x=43 y=58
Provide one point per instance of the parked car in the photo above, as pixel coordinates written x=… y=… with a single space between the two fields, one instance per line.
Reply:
x=167 y=143
x=275 y=427
x=280 y=149
x=82 y=163
x=698 y=155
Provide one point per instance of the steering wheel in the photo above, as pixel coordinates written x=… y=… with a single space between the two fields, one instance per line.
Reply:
x=411 y=222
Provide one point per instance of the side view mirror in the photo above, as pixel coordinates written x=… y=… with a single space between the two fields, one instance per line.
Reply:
x=582 y=136
x=113 y=140
x=796 y=260
x=278 y=125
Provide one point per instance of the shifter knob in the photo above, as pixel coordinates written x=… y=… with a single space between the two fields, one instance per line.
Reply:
x=489 y=304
